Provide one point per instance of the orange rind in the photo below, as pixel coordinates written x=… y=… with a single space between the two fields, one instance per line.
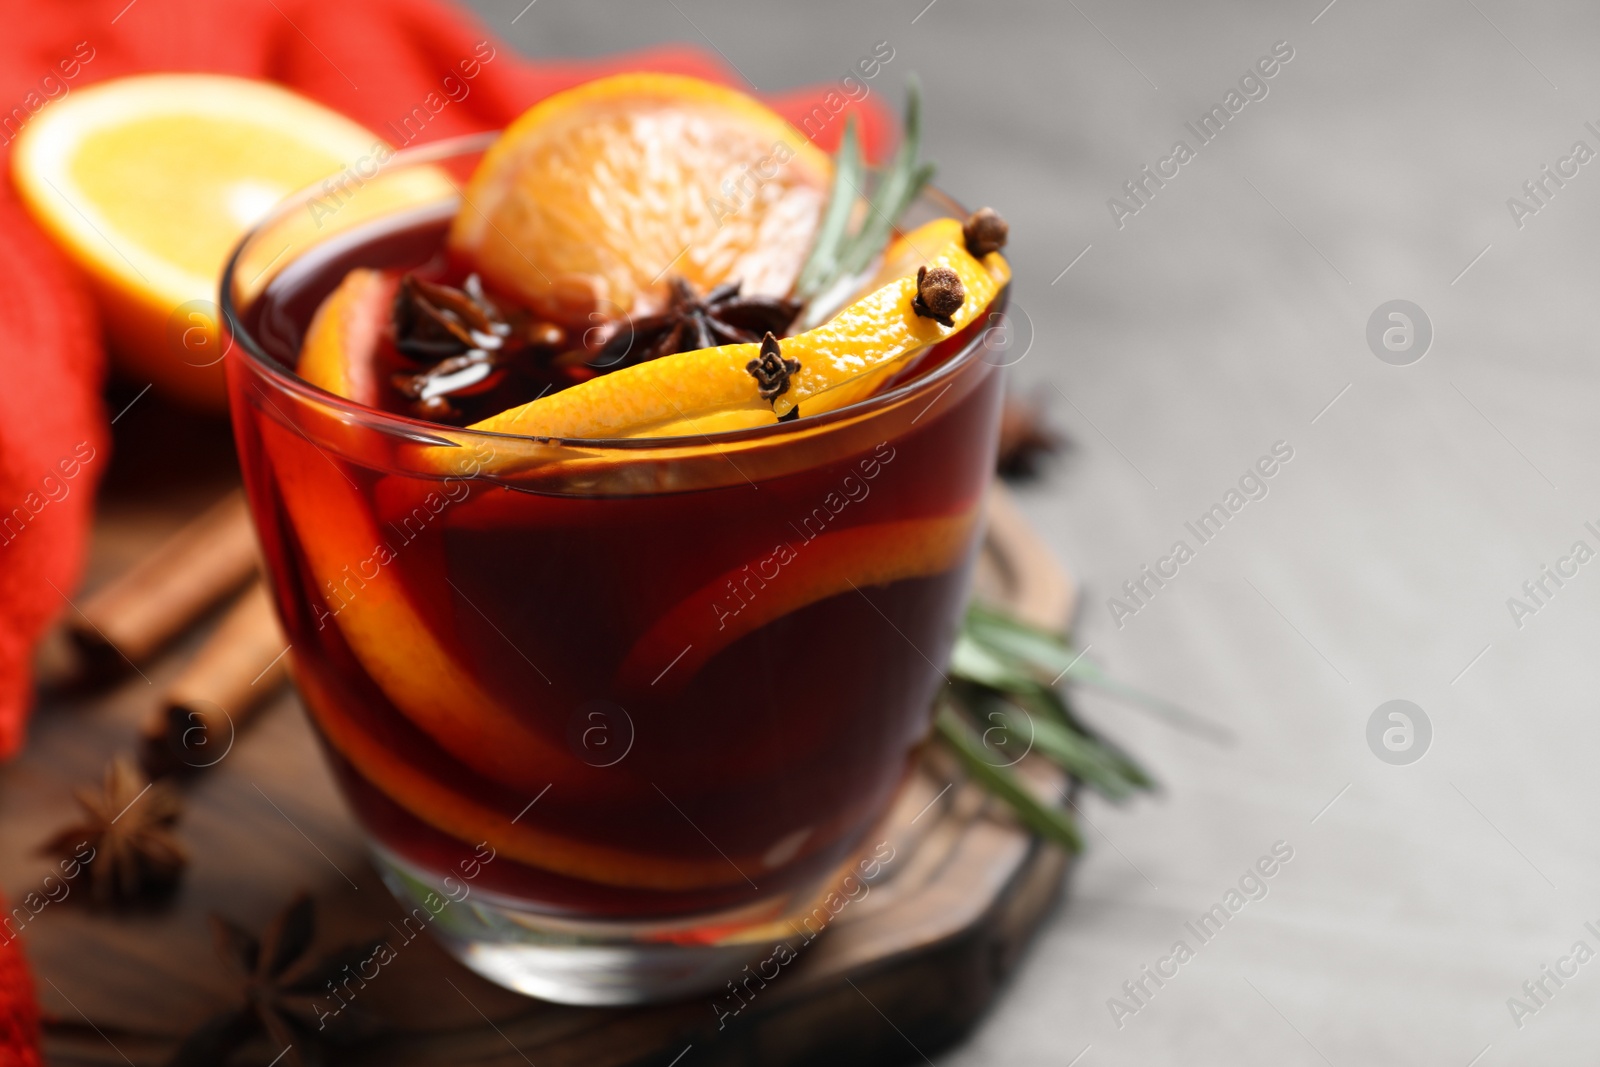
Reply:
x=438 y=805
x=795 y=575
x=340 y=349
x=357 y=569
x=711 y=389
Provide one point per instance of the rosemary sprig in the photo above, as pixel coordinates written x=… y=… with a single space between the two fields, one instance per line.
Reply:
x=1004 y=676
x=838 y=252
x=1044 y=819
x=849 y=170
x=900 y=186
x=1058 y=735
x=1035 y=653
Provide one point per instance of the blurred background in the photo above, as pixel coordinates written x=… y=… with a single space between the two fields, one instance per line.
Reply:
x=1370 y=275
x=1226 y=315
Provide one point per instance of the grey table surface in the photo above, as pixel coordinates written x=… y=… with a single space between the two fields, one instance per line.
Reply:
x=1230 y=313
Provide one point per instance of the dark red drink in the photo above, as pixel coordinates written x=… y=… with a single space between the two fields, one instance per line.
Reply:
x=664 y=681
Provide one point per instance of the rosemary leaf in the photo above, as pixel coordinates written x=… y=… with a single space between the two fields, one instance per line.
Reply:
x=900 y=186
x=1049 y=704
x=998 y=670
x=837 y=254
x=1098 y=764
x=1011 y=647
x=849 y=171
x=974 y=661
x=1042 y=650
x=1090 y=675
x=1044 y=819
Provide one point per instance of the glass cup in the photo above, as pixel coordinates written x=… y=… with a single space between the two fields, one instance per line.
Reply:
x=613 y=714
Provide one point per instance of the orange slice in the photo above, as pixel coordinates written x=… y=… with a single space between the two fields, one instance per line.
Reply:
x=443 y=808
x=147 y=182
x=385 y=628
x=802 y=573
x=340 y=350
x=594 y=196
x=911 y=250
x=905 y=254
x=697 y=392
x=881 y=330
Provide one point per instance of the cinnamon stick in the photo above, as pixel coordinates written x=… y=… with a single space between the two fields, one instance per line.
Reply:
x=138 y=613
x=242 y=664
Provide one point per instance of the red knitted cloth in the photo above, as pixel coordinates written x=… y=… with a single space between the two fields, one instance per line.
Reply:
x=19 y=1015
x=375 y=60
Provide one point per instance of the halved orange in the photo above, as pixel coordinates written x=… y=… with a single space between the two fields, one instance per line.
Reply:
x=595 y=196
x=148 y=181
x=796 y=575
x=711 y=389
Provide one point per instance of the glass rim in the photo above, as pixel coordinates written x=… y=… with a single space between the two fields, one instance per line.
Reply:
x=393 y=424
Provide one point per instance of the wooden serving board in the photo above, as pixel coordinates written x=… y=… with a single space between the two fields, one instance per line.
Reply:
x=900 y=973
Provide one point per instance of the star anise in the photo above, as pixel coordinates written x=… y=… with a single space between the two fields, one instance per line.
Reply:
x=433 y=321
x=690 y=322
x=128 y=824
x=285 y=993
x=1026 y=439
x=468 y=343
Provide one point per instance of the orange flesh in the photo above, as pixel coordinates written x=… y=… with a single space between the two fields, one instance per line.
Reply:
x=593 y=197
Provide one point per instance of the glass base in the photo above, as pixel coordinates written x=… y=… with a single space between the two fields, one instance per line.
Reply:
x=583 y=962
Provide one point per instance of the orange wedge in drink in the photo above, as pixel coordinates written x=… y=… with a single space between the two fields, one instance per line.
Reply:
x=797 y=574
x=387 y=632
x=699 y=181
x=147 y=182
x=356 y=563
x=340 y=350
x=433 y=802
